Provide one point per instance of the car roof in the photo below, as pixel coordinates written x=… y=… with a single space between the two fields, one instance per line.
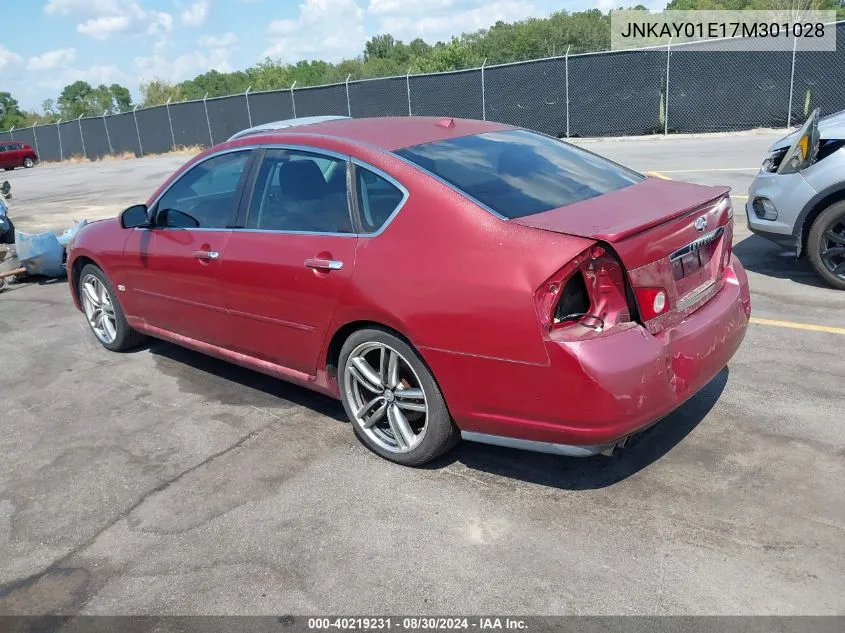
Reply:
x=284 y=123
x=393 y=133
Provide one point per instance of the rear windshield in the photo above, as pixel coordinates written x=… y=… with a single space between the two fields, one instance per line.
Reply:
x=517 y=173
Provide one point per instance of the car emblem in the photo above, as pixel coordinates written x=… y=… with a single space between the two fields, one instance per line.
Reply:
x=701 y=224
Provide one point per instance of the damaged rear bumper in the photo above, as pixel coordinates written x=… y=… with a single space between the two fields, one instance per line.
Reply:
x=596 y=393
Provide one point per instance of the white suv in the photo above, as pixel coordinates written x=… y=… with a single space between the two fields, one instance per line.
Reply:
x=798 y=198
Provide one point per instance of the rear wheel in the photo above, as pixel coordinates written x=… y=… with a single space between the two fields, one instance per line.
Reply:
x=103 y=312
x=390 y=396
x=28 y=162
x=826 y=245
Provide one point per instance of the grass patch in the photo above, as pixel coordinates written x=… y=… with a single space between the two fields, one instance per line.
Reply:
x=75 y=159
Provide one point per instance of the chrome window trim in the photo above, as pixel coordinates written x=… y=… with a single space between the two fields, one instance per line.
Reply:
x=405 y=195
x=412 y=164
x=276 y=231
x=228 y=150
x=182 y=228
x=449 y=185
x=306 y=148
x=310 y=150
x=348 y=159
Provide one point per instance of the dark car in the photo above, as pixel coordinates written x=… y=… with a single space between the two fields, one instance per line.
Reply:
x=16 y=154
x=443 y=278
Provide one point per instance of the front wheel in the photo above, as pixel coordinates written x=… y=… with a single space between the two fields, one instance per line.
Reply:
x=103 y=311
x=28 y=162
x=826 y=245
x=393 y=401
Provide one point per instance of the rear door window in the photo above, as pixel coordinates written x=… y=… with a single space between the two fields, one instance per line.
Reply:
x=300 y=192
x=378 y=198
x=517 y=173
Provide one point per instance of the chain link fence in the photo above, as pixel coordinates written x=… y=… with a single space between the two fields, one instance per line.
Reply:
x=672 y=89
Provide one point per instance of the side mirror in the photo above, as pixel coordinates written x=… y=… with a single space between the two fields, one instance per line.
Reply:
x=135 y=216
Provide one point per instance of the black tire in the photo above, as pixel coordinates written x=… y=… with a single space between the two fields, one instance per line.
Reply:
x=441 y=434
x=9 y=236
x=28 y=163
x=125 y=337
x=817 y=241
x=8 y=168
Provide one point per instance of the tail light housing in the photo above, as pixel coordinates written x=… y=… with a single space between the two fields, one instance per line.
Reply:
x=589 y=292
x=652 y=302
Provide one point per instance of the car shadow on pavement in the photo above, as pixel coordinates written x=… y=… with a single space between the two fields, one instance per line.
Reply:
x=599 y=471
x=761 y=256
x=200 y=374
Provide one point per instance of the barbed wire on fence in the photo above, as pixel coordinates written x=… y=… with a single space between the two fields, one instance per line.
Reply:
x=686 y=87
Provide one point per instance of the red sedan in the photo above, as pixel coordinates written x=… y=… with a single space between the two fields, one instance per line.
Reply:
x=443 y=278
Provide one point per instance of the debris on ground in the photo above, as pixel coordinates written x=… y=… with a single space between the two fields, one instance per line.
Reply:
x=45 y=253
x=41 y=254
x=10 y=265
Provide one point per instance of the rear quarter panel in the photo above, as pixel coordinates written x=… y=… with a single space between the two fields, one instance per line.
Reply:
x=451 y=276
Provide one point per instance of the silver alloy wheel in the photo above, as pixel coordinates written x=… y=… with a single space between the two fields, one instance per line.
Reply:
x=27 y=162
x=99 y=308
x=386 y=397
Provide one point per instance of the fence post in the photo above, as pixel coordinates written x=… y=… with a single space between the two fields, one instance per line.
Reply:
x=248 y=113
x=207 y=120
x=791 y=82
x=170 y=122
x=59 y=134
x=35 y=136
x=108 y=136
x=483 y=93
x=81 y=138
x=408 y=84
x=666 y=101
x=348 y=102
x=292 y=100
x=566 y=79
x=137 y=129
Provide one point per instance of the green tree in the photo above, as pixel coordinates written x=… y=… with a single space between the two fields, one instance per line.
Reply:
x=121 y=97
x=10 y=112
x=452 y=56
x=158 y=91
x=75 y=100
x=379 y=47
x=80 y=99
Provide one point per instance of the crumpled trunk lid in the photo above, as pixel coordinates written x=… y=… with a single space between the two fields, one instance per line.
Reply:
x=670 y=235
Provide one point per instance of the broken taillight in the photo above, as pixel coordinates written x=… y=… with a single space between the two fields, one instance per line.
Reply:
x=589 y=292
x=652 y=302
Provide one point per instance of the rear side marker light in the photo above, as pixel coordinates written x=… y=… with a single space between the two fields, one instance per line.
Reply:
x=652 y=301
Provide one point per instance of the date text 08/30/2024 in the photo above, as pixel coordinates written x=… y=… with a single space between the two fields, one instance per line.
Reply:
x=411 y=623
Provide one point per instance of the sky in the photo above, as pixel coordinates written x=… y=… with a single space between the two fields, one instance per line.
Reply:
x=47 y=44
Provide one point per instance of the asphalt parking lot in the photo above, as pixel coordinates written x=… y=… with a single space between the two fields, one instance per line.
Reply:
x=165 y=482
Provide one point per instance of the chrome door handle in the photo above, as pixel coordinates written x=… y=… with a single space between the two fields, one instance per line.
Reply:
x=324 y=264
x=206 y=254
